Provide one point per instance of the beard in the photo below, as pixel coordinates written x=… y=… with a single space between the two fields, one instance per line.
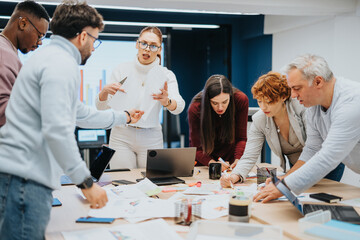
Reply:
x=84 y=59
x=85 y=53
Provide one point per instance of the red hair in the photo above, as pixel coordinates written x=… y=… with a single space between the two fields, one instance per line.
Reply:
x=272 y=86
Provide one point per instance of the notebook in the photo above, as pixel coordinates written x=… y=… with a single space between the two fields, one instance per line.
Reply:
x=164 y=166
x=340 y=213
x=97 y=168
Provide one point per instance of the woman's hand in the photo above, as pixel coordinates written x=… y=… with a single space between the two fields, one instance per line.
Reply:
x=163 y=96
x=226 y=178
x=224 y=165
x=233 y=165
x=111 y=89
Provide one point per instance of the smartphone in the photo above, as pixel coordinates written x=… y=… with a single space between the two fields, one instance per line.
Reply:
x=121 y=182
x=94 y=220
x=56 y=202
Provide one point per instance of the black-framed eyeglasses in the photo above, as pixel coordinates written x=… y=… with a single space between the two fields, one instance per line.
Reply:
x=144 y=45
x=97 y=41
x=41 y=35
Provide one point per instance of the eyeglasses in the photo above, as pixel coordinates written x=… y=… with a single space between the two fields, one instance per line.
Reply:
x=41 y=35
x=144 y=45
x=97 y=41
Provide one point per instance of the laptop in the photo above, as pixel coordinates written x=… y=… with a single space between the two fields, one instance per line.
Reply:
x=340 y=213
x=90 y=138
x=97 y=168
x=164 y=166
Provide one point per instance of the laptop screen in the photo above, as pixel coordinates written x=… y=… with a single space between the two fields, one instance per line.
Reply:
x=170 y=162
x=287 y=193
x=91 y=138
x=100 y=163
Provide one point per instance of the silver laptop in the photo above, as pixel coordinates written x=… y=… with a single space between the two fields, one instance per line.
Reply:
x=165 y=165
x=340 y=213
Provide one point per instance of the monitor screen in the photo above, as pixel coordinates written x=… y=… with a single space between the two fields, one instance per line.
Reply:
x=91 y=138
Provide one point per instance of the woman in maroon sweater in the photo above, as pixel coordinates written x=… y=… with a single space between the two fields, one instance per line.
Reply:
x=218 y=121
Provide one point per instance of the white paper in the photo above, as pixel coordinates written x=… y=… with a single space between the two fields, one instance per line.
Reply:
x=148 y=187
x=136 y=208
x=126 y=192
x=215 y=206
x=89 y=234
x=126 y=100
x=155 y=80
x=302 y=197
x=355 y=202
x=205 y=189
x=152 y=230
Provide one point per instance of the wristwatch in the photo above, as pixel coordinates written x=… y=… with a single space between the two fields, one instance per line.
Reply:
x=168 y=104
x=87 y=183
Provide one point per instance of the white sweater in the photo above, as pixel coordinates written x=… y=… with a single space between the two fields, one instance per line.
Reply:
x=137 y=72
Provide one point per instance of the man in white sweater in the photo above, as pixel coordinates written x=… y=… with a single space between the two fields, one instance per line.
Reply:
x=37 y=142
x=333 y=124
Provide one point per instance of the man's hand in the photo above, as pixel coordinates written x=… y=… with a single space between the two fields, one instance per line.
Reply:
x=96 y=196
x=225 y=180
x=267 y=193
x=135 y=115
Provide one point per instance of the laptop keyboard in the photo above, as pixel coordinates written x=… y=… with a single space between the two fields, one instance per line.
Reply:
x=335 y=212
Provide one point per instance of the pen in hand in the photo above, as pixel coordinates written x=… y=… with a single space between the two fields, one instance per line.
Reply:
x=224 y=173
x=222 y=160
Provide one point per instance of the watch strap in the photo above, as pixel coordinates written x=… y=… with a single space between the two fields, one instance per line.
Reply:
x=87 y=183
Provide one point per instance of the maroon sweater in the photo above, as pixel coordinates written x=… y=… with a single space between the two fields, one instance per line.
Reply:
x=9 y=68
x=228 y=152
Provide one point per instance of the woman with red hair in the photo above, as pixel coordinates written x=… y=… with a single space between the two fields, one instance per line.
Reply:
x=281 y=122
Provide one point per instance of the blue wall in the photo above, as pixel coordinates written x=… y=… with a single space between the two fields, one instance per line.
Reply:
x=239 y=50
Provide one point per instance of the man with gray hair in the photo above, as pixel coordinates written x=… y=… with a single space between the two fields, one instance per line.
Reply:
x=333 y=126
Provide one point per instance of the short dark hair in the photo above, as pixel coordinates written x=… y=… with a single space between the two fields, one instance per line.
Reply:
x=32 y=8
x=71 y=17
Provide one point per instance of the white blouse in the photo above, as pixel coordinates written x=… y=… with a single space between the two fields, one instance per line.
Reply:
x=138 y=73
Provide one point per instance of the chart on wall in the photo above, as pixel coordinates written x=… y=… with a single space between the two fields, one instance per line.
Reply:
x=97 y=71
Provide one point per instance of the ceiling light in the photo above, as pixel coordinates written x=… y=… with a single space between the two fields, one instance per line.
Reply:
x=174 y=25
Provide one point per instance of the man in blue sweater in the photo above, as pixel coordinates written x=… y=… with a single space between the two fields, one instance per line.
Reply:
x=37 y=142
x=333 y=126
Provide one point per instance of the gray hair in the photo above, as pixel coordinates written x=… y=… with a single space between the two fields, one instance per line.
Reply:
x=311 y=66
